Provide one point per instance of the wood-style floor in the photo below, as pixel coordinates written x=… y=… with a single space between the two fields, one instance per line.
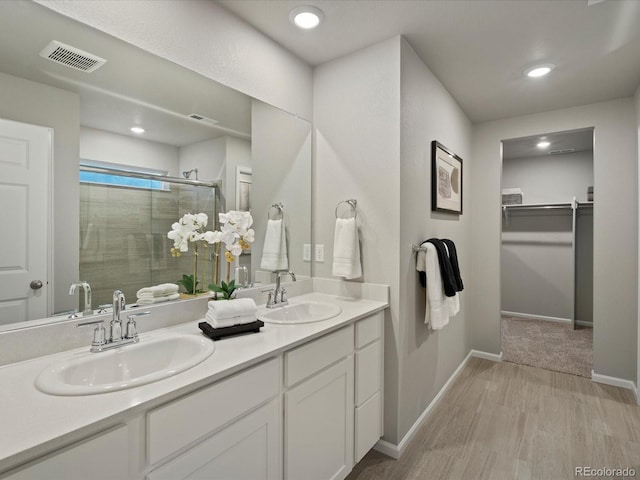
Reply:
x=507 y=421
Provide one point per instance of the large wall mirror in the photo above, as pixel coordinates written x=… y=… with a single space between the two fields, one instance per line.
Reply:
x=115 y=193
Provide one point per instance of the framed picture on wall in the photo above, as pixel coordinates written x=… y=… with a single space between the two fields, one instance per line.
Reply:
x=446 y=180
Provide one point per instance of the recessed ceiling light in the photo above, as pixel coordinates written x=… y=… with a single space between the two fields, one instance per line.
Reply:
x=137 y=129
x=543 y=144
x=539 y=70
x=306 y=16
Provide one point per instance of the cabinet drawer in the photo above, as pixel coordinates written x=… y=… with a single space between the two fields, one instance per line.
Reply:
x=83 y=460
x=368 y=426
x=369 y=329
x=173 y=426
x=249 y=448
x=314 y=356
x=368 y=371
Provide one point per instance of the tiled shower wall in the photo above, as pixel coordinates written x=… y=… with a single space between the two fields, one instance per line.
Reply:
x=123 y=237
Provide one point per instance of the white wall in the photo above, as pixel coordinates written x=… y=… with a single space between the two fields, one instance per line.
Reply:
x=550 y=178
x=429 y=358
x=615 y=307
x=357 y=137
x=281 y=160
x=206 y=38
x=637 y=104
x=376 y=112
x=30 y=102
x=103 y=146
x=208 y=157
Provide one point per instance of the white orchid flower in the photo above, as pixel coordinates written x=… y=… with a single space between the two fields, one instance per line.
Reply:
x=235 y=249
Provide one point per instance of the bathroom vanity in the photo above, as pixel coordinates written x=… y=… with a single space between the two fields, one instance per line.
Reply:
x=293 y=401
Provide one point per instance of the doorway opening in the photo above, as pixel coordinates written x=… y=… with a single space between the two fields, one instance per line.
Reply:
x=547 y=251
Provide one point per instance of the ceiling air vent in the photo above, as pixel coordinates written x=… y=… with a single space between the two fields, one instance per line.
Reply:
x=202 y=118
x=564 y=150
x=72 y=57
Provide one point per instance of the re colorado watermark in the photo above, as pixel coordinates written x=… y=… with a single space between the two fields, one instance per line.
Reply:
x=627 y=472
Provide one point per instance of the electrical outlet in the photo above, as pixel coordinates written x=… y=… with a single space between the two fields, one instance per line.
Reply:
x=319 y=253
x=306 y=252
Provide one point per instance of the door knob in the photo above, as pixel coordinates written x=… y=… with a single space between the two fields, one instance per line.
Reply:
x=36 y=284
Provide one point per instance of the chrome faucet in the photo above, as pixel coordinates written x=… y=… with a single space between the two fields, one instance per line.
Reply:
x=115 y=339
x=87 y=296
x=278 y=297
x=116 y=323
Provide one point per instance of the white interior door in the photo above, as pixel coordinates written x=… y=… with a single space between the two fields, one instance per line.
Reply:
x=25 y=165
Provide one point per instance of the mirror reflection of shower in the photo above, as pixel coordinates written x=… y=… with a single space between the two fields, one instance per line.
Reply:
x=187 y=174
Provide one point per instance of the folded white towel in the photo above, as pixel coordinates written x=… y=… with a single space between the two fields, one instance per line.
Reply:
x=151 y=300
x=223 y=309
x=274 y=250
x=229 y=322
x=158 y=290
x=438 y=307
x=346 y=249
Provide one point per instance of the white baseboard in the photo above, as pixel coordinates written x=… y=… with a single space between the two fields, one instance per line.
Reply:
x=535 y=317
x=616 y=382
x=487 y=356
x=396 y=451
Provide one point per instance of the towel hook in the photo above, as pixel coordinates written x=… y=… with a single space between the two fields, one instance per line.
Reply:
x=279 y=213
x=353 y=203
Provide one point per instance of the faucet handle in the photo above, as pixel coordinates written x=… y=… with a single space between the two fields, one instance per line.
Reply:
x=99 y=333
x=270 y=298
x=283 y=296
x=131 y=324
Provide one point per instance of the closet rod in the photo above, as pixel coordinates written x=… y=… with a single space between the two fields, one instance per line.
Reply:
x=538 y=205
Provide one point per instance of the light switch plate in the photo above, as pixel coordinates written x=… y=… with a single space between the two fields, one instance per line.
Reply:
x=306 y=252
x=319 y=253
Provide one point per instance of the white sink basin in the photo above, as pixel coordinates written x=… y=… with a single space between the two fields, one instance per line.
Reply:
x=303 y=312
x=129 y=366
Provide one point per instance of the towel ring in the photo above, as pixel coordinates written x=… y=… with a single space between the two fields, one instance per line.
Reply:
x=279 y=211
x=353 y=203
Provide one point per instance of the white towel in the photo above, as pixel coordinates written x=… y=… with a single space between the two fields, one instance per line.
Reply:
x=229 y=322
x=346 y=249
x=274 y=250
x=239 y=307
x=438 y=307
x=151 y=300
x=158 y=290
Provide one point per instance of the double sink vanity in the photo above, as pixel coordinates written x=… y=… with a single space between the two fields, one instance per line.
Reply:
x=300 y=399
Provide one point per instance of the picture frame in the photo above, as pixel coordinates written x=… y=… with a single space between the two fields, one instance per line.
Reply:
x=446 y=180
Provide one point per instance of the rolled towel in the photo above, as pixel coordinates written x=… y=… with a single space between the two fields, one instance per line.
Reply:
x=346 y=249
x=274 y=250
x=239 y=307
x=158 y=290
x=152 y=300
x=229 y=322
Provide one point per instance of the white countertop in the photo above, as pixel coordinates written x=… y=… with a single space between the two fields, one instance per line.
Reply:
x=33 y=423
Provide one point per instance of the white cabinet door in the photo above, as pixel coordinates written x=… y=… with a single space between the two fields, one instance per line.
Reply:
x=104 y=457
x=249 y=448
x=319 y=425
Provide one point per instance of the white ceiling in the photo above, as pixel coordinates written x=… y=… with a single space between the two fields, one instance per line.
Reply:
x=559 y=142
x=479 y=49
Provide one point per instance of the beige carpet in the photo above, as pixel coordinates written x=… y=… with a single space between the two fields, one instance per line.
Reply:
x=548 y=345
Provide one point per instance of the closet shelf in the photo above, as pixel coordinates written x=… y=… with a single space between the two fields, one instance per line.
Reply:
x=538 y=205
x=543 y=206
